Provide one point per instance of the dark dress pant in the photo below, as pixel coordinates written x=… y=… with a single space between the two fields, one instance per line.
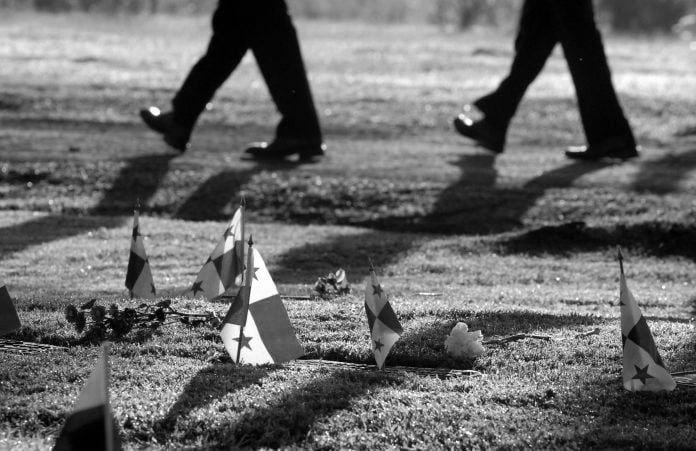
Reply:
x=543 y=23
x=264 y=27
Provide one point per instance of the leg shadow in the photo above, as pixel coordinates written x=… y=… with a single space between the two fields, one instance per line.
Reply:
x=139 y=178
x=473 y=205
x=351 y=252
x=651 y=238
x=476 y=205
x=664 y=175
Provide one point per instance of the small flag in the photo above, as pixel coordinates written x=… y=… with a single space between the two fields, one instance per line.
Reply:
x=9 y=321
x=385 y=329
x=91 y=425
x=643 y=369
x=225 y=263
x=139 y=277
x=257 y=329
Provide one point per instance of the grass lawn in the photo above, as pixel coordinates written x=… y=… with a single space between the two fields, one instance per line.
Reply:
x=521 y=243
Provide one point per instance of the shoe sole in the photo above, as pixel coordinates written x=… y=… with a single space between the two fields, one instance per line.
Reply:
x=302 y=158
x=601 y=157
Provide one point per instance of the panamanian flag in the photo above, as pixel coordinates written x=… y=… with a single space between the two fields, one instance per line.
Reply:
x=91 y=425
x=385 y=329
x=139 y=277
x=226 y=262
x=643 y=369
x=257 y=329
x=9 y=321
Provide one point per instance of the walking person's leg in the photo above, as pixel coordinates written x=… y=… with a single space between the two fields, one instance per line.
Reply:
x=226 y=49
x=277 y=50
x=536 y=38
x=607 y=131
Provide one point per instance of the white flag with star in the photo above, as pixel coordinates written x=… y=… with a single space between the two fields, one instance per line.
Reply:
x=385 y=328
x=257 y=328
x=225 y=264
x=139 y=276
x=643 y=369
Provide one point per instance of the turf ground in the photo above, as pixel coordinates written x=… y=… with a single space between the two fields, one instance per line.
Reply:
x=521 y=243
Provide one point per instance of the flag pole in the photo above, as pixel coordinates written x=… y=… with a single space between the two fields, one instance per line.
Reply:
x=242 y=205
x=136 y=211
x=620 y=256
x=108 y=421
x=247 y=281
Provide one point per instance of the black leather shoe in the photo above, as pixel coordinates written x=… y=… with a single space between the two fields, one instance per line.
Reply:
x=281 y=148
x=485 y=134
x=615 y=148
x=174 y=134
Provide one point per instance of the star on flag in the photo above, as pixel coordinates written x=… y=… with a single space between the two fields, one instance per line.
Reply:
x=243 y=340
x=643 y=369
x=225 y=264
x=139 y=276
x=385 y=328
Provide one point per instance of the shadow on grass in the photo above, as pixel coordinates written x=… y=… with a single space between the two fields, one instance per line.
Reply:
x=664 y=175
x=652 y=238
x=284 y=421
x=471 y=205
x=475 y=205
x=217 y=197
x=423 y=346
x=350 y=252
x=640 y=420
x=207 y=386
x=139 y=178
x=422 y=343
x=288 y=420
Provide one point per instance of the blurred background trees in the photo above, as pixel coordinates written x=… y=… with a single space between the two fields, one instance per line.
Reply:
x=620 y=15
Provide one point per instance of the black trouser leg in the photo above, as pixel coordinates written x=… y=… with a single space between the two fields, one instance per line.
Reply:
x=226 y=49
x=277 y=51
x=601 y=113
x=536 y=38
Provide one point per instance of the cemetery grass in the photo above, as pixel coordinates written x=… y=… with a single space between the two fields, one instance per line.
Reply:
x=521 y=243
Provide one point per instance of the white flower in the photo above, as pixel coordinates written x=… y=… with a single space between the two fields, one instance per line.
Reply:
x=464 y=344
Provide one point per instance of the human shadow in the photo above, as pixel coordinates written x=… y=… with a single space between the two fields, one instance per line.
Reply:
x=214 y=199
x=139 y=178
x=472 y=205
x=475 y=204
x=208 y=385
x=663 y=176
x=651 y=238
x=352 y=252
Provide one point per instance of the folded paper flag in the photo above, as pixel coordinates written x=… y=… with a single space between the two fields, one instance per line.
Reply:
x=226 y=262
x=643 y=369
x=257 y=328
x=139 y=276
x=385 y=328
x=91 y=425
x=9 y=321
